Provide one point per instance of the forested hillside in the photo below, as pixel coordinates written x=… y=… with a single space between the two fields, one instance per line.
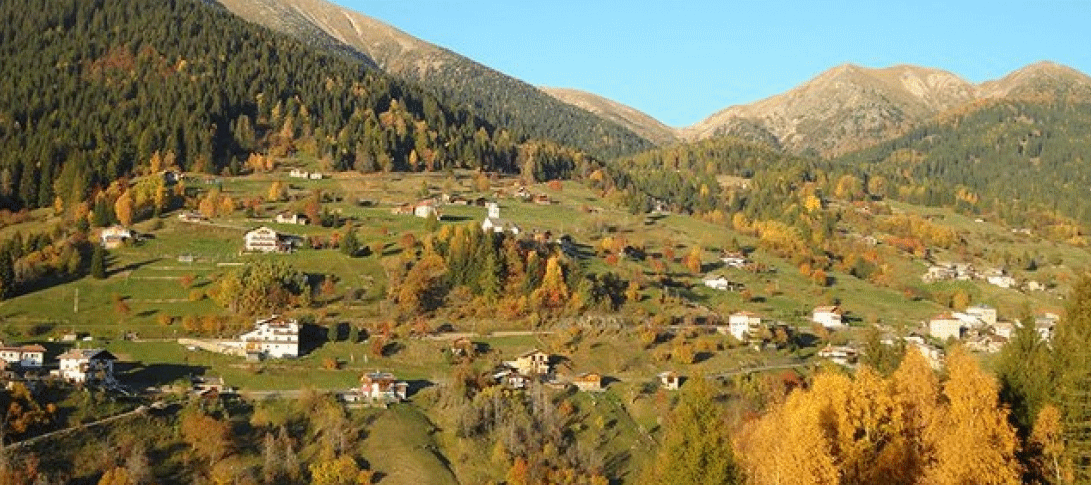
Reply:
x=490 y=94
x=93 y=89
x=1026 y=162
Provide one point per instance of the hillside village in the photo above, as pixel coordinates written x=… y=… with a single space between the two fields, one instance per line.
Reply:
x=260 y=242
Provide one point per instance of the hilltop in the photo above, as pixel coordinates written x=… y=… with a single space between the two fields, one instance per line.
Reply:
x=851 y=107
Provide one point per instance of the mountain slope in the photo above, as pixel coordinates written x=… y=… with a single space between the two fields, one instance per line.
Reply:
x=501 y=99
x=636 y=121
x=110 y=89
x=842 y=109
x=851 y=107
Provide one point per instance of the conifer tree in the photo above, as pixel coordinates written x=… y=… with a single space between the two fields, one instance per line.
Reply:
x=697 y=448
x=98 y=263
x=7 y=274
x=1024 y=373
x=1073 y=367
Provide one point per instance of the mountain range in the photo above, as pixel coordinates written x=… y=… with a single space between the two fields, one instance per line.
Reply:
x=843 y=109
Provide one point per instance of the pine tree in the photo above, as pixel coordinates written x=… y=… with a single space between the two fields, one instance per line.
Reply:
x=98 y=263
x=1073 y=367
x=7 y=274
x=350 y=246
x=696 y=448
x=1024 y=373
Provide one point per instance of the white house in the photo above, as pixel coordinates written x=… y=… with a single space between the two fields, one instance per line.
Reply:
x=742 y=324
x=275 y=336
x=87 y=366
x=291 y=218
x=827 y=316
x=426 y=209
x=734 y=260
x=382 y=387
x=670 y=380
x=506 y=376
x=944 y=327
x=494 y=223
x=25 y=356
x=265 y=240
x=114 y=236
x=718 y=283
x=986 y=314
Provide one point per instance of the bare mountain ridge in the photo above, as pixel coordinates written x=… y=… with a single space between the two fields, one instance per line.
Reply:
x=851 y=107
x=637 y=121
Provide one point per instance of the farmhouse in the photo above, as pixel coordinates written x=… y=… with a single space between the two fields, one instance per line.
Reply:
x=24 y=356
x=670 y=380
x=532 y=362
x=426 y=209
x=839 y=354
x=510 y=378
x=944 y=327
x=291 y=218
x=742 y=324
x=266 y=240
x=382 y=387
x=734 y=260
x=588 y=382
x=721 y=283
x=192 y=216
x=827 y=316
x=114 y=236
x=87 y=366
x=275 y=336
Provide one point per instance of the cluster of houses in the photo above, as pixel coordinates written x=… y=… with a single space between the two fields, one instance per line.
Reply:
x=303 y=174
x=84 y=366
x=425 y=209
x=730 y=260
x=945 y=271
x=981 y=331
x=291 y=218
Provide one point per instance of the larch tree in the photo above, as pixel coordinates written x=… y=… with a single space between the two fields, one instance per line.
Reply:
x=971 y=438
x=553 y=292
x=123 y=208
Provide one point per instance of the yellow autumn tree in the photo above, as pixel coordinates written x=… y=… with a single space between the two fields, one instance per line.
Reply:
x=123 y=208
x=116 y=476
x=788 y=445
x=971 y=437
x=553 y=292
x=1046 y=448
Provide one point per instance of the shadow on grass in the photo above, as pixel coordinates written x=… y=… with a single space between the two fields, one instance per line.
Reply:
x=159 y=374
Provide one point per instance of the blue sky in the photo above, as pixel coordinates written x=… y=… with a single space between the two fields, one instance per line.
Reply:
x=682 y=61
